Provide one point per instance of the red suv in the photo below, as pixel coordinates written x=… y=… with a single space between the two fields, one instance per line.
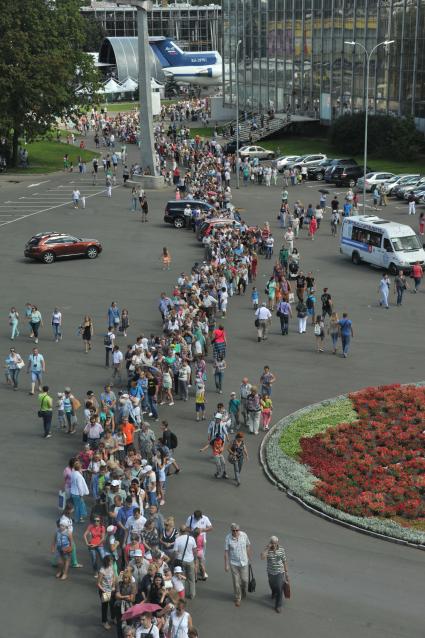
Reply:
x=47 y=247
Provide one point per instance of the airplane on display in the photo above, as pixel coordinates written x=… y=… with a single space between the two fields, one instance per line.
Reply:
x=199 y=68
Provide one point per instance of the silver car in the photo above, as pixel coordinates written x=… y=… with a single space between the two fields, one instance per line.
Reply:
x=397 y=180
x=256 y=151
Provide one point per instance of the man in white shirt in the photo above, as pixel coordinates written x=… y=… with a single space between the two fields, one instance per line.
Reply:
x=263 y=318
x=237 y=554
x=198 y=520
x=185 y=551
x=184 y=378
x=187 y=215
x=135 y=524
x=76 y=197
x=147 y=628
x=117 y=358
x=269 y=246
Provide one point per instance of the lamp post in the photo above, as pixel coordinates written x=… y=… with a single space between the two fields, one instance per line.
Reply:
x=237 y=112
x=368 y=55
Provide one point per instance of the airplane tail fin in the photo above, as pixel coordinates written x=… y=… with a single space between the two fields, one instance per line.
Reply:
x=168 y=53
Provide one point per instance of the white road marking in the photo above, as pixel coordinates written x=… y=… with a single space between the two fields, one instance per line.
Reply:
x=38 y=184
x=44 y=210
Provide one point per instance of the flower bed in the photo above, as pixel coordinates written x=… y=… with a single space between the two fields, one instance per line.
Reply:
x=375 y=465
x=359 y=460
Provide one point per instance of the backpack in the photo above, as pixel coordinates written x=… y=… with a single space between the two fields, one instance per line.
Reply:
x=317 y=329
x=173 y=441
x=107 y=340
x=309 y=303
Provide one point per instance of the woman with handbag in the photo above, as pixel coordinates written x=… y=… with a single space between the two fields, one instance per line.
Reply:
x=14 y=364
x=277 y=571
x=87 y=332
x=14 y=322
x=125 y=595
x=237 y=454
x=106 y=587
x=62 y=545
x=180 y=621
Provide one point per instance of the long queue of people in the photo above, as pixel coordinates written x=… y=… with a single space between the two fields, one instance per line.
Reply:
x=124 y=466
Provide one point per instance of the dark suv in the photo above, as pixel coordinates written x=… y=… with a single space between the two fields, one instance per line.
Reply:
x=318 y=172
x=174 y=210
x=347 y=175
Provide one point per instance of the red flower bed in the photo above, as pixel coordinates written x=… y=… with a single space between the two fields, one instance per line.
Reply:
x=374 y=466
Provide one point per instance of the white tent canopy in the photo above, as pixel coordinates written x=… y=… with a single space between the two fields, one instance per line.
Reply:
x=111 y=87
x=129 y=85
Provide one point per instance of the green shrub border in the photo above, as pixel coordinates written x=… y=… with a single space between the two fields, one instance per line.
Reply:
x=295 y=479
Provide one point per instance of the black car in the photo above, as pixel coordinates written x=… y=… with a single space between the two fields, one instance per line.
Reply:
x=230 y=147
x=318 y=172
x=174 y=210
x=347 y=175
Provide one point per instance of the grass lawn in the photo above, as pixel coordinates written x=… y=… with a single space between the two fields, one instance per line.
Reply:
x=206 y=131
x=47 y=156
x=316 y=421
x=288 y=145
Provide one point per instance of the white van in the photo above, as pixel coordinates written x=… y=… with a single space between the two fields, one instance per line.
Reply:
x=381 y=243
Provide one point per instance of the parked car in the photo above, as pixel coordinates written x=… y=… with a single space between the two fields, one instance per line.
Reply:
x=374 y=179
x=283 y=161
x=317 y=172
x=347 y=175
x=208 y=226
x=174 y=210
x=256 y=151
x=409 y=181
x=414 y=189
x=408 y=187
x=307 y=160
x=397 y=180
x=230 y=147
x=49 y=246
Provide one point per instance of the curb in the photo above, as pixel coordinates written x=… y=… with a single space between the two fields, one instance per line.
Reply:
x=280 y=484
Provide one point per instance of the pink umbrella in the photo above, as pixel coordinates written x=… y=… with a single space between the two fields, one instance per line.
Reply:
x=138 y=610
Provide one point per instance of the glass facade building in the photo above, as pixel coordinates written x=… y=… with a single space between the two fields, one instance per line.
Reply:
x=293 y=55
x=195 y=27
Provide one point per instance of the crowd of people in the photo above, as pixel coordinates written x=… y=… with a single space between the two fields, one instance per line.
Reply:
x=146 y=566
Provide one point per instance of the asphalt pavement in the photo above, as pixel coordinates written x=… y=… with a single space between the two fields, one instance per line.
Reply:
x=344 y=583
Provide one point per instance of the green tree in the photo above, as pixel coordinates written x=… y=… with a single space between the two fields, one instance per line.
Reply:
x=44 y=72
x=387 y=136
x=95 y=33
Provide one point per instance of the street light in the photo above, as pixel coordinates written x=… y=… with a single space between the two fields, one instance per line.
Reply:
x=368 y=55
x=237 y=111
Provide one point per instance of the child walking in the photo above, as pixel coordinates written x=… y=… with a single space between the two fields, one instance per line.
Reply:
x=266 y=411
x=200 y=400
x=166 y=259
x=254 y=298
x=60 y=406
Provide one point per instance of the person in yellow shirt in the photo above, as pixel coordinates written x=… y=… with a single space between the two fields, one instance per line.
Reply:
x=200 y=400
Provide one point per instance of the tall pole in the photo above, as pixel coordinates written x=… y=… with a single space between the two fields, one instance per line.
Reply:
x=366 y=120
x=368 y=58
x=147 y=151
x=237 y=113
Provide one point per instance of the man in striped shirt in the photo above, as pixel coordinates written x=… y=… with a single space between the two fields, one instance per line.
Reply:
x=277 y=570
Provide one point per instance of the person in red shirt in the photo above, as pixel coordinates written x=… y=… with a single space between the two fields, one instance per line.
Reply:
x=128 y=430
x=417 y=274
x=94 y=537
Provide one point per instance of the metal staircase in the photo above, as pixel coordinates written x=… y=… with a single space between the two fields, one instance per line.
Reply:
x=279 y=122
